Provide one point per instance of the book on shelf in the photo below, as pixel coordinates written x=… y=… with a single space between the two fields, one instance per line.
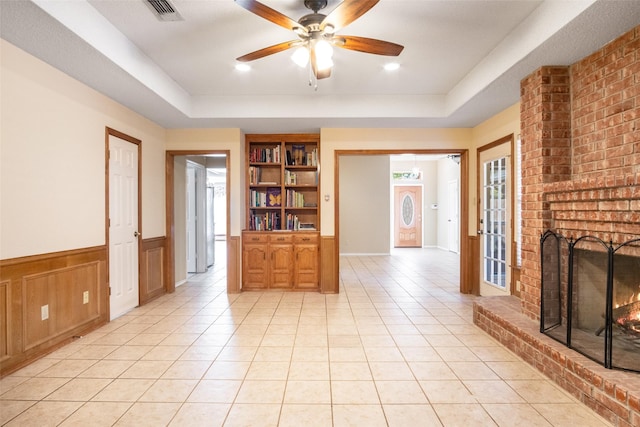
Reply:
x=294 y=224
x=290 y=178
x=265 y=222
x=295 y=199
x=257 y=199
x=265 y=155
x=274 y=197
x=254 y=175
x=298 y=154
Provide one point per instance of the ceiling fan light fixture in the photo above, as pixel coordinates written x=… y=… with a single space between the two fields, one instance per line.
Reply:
x=243 y=67
x=391 y=66
x=300 y=56
x=323 y=52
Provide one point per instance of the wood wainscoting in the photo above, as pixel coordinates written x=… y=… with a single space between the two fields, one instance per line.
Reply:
x=46 y=300
x=329 y=262
x=153 y=277
x=234 y=264
x=68 y=288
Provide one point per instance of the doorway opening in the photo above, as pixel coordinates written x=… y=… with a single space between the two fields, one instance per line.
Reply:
x=197 y=214
x=358 y=201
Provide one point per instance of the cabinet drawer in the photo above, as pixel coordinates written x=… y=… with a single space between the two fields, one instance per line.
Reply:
x=306 y=238
x=280 y=238
x=255 y=238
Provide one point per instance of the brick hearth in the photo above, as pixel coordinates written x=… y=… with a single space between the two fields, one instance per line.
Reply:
x=613 y=394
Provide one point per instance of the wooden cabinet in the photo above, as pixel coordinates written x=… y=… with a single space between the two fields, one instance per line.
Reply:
x=306 y=254
x=280 y=260
x=254 y=261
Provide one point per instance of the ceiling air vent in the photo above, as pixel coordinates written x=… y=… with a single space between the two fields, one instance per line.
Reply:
x=164 y=10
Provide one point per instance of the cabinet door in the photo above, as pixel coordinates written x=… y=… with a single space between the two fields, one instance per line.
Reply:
x=306 y=266
x=281 y=265
x=254 y=266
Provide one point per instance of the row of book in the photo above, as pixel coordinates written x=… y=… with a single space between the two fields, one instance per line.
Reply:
x=265 y=155
x=290 y=178
x=295 y=199
x=265 y=222
x=298 y=156
x=294 y=224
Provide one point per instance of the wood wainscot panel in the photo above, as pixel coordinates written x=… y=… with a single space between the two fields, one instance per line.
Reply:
x=5 y=319
x=153 y=277
x=57 y=301
x=233 y=264
x=47 y=300
x=472 y=285
x=329 y=275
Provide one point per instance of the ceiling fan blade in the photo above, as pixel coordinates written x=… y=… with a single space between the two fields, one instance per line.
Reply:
x=269 y=14
x=347 y=12
x=366 y=45
x=268 y=51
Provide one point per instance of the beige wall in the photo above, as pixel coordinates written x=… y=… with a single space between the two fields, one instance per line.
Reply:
x=52 y=159
x=364 y=205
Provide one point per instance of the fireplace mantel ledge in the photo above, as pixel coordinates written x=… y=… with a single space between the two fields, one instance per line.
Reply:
x=612 y=394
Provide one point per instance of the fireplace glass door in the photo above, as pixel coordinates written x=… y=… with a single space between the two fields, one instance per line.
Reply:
x=593 y=305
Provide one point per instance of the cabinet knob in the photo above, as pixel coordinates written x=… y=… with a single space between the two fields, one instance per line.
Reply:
x=255 y=239
x=280 y=238
x=306 y=239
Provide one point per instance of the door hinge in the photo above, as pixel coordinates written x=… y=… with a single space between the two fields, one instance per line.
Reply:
x=109 y=290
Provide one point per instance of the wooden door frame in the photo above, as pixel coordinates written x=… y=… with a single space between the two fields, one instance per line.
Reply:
x=107 y=133
x=509 y=139
x=467 y=262
x=169 y=205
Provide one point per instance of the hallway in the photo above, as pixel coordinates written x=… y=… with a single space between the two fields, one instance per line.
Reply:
x=396 y=347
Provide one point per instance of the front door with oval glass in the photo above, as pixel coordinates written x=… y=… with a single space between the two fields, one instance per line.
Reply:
x=407 y=216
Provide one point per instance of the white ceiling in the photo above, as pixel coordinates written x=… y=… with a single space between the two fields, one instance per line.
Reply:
x=462 y=62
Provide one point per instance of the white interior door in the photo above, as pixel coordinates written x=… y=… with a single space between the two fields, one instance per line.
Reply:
x=201 y=219
x=453 y=214
x=495 y=220
x=123 y=226
x=196 y=218
x=191 y=218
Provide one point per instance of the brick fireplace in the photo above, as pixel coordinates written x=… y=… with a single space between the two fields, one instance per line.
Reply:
x=580 y=133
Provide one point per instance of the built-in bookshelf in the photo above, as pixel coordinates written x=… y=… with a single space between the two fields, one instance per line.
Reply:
x=282 y=182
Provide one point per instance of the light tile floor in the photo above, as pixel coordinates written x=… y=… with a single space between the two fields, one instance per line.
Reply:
x=396 y=347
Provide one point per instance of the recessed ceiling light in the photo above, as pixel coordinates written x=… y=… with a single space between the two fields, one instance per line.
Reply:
x=391 y=66
x=242 y=67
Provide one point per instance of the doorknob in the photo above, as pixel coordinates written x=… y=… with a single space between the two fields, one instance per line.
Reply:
x=136 y=234
x=479 y=231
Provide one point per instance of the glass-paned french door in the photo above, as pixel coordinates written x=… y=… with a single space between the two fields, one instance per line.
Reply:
x=495 y=230
x=494 y=219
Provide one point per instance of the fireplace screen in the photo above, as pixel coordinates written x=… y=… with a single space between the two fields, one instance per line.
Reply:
x=590 y=298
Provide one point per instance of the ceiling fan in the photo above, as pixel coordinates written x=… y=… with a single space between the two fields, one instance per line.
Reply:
x=316 y=34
